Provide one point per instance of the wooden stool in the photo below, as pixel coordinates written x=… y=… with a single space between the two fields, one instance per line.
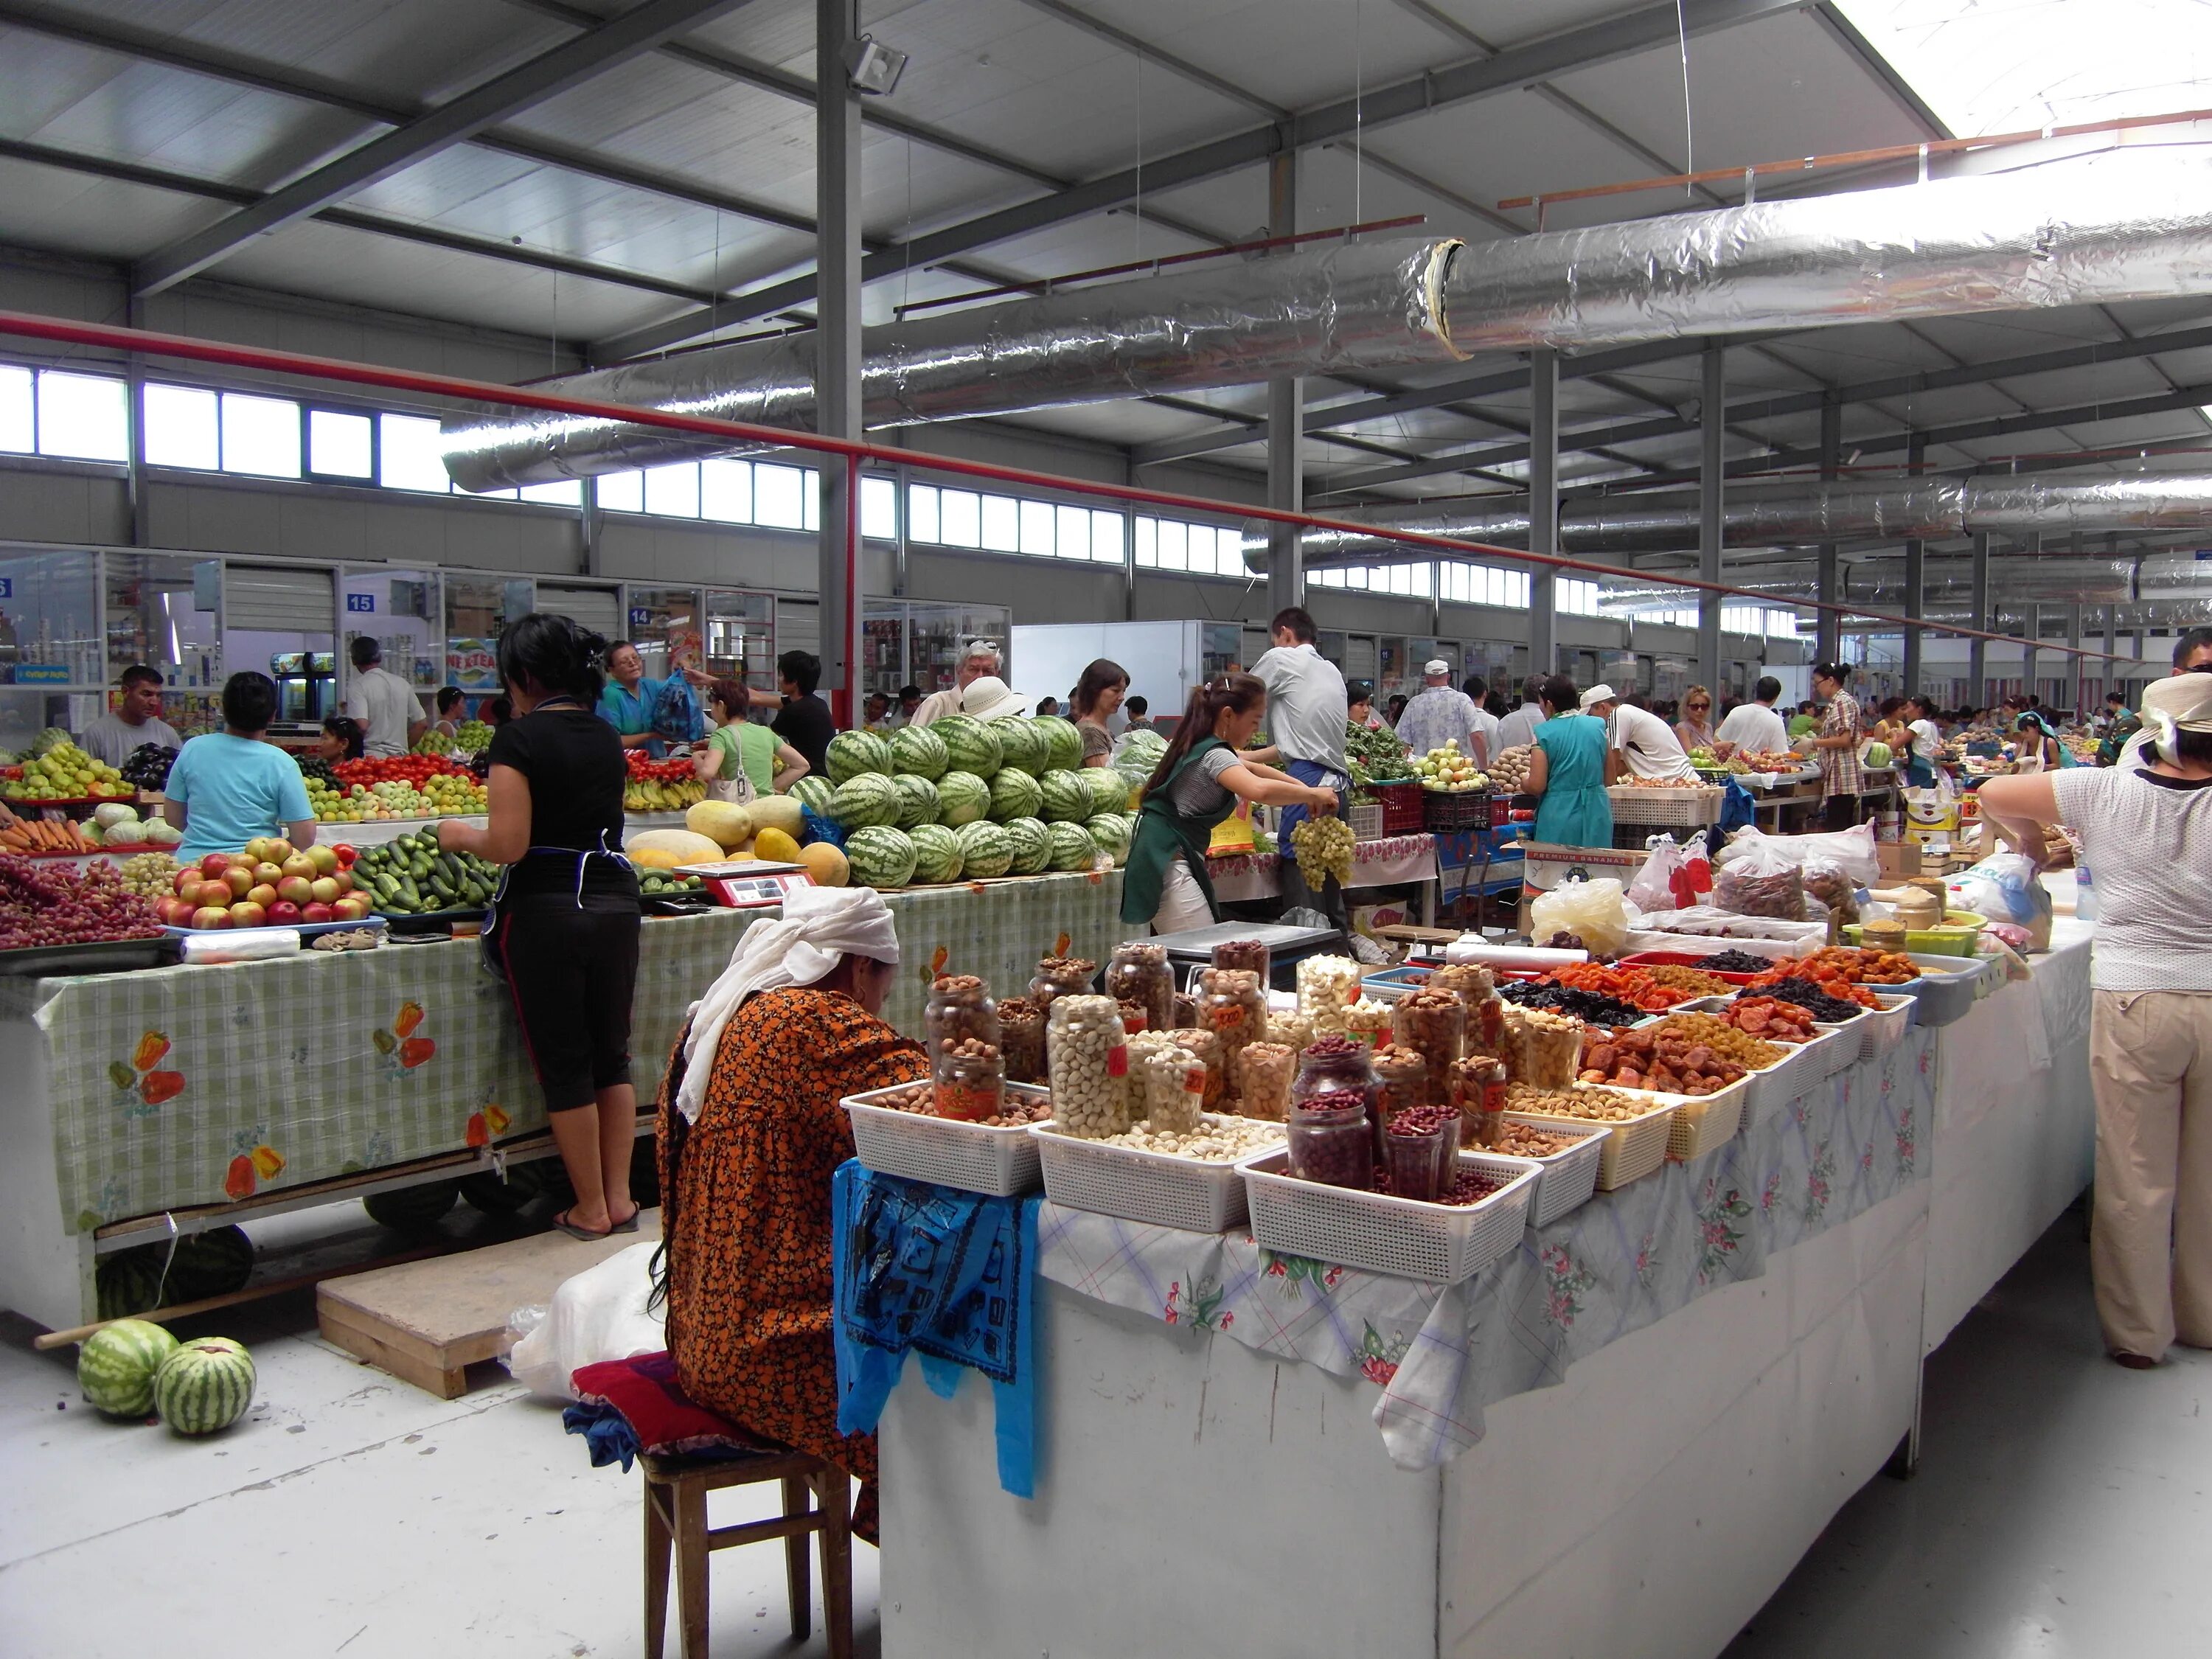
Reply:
x=676 y=1491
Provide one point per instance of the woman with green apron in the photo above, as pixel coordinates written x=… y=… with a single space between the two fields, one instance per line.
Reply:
x=1568 y=771
x=1196 y=785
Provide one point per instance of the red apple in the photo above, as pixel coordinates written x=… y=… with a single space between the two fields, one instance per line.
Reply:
x=351 y=908
x=239 y=879
x=344 y=879
x=325 y=889
x=257 y=849
x=284 y=914
x=279 y=849
x=189 y=885
x=325 y=860
x=175 y=912
x=191 y=872
x=298 y=864
x=298 y=889
x=211 y=915
x=213 y=864
x=246 y=913
x=317 y=912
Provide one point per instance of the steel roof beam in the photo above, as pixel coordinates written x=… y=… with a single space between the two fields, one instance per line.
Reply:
x=547 y=74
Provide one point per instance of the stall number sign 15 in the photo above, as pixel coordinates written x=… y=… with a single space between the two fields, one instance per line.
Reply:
x=7 y=587
x=360 y=602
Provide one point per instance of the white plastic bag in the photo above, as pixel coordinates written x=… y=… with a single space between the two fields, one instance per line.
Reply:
x=1592 y=911
x=601 y=1314
x=1849 y=850
x=2005 y=888
x=1653 y=888
x=1765 y=881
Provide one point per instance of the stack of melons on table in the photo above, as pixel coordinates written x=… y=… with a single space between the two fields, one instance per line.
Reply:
x=715 y=830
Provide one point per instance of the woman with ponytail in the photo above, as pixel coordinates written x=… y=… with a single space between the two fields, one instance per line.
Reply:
x=1196 y=785
x=564 y=923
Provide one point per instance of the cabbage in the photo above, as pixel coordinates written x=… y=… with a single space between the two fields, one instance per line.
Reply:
x=111 y=813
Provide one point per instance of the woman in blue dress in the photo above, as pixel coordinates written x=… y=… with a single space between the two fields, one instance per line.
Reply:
x=1567 y=771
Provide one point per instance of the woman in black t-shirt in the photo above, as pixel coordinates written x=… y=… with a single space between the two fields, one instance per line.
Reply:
x=567 y=917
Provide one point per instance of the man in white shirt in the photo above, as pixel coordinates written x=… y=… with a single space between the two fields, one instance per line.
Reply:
x=1636 y=740
x=135 y=719
x=1306 y=706
x=981 y=659
x=1753 y=728
x=1439 y=714
x=385 y=704
x=1486 y=723
x=1518 y=729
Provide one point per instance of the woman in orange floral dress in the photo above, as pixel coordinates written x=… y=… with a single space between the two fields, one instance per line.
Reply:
x=749 y=1139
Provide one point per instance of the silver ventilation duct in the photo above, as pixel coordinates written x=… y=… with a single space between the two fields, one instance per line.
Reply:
x=1770 y=514
x=2175 y=577
x=1347 y=307
x=2127 y=225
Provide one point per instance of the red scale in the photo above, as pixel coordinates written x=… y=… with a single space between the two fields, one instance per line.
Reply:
x=748 y=884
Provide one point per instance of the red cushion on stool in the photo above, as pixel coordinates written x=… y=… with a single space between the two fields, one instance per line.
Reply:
x=643 y=1389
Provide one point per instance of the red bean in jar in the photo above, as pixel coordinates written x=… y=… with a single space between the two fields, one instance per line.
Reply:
x=1246 y=955
x=1332 y=1141
x=1420 y=1151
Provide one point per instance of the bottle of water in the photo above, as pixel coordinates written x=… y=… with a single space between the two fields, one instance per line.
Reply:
x=2085 y=895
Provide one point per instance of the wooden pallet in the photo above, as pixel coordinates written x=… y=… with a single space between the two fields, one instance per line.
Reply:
x=427 y=1322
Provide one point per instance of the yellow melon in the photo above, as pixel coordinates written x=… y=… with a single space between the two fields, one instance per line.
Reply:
x=826 y=864
x=775 y=847
x=681 y=846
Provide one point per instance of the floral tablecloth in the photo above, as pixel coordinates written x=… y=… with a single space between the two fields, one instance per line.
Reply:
x=1625 y=1260
x=1240 y=877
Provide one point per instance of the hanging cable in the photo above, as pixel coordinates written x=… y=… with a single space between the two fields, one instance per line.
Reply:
x=1689 y=131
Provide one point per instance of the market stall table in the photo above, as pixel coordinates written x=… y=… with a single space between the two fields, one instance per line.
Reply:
x=1395 y=861
x=265 y=1075
x=1620 y=1438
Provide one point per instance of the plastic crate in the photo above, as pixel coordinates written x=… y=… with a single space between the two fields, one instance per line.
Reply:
x=1442 y=814
x=1436 y=1244
x=1947 y=989
x=1886 y=1026
x=1684 y=808
x=1569 y=1177
x=1366 y=821
x=1634 y=1148
x=1704 y=1123
x=1158 y=1188
x=1402 y=811
x=1001 y=1162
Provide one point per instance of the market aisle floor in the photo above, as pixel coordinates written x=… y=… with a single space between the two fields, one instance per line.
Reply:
x=350 y=1513
x=2059 y=1512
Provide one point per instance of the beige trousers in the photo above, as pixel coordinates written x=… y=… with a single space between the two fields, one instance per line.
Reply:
x=1183 y=902
x=2150 y=1244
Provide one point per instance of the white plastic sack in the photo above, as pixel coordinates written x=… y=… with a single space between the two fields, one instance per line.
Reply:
x=1705 y=920
x=2004 y=887
x=1851 y=850
x=1591 y=910
x=1653 y=888
x=601 y=1314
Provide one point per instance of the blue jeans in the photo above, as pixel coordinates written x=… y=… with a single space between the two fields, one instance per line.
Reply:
x=1330 y=901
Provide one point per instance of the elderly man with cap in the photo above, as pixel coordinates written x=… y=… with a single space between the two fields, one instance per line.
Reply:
x=980 y=658
x=987 y=697
x=1638 y=743
x=2145 y=827
x=1440 y=714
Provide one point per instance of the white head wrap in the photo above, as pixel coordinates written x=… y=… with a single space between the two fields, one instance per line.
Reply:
x=818 y=926
x=2180 y=703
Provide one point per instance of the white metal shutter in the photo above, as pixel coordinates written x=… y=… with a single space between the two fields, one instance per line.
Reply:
x=598 y=609
x=798 y=625
x=1363 y=658
x=275 y=599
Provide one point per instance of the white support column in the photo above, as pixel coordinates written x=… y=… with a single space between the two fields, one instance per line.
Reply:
x=1978 y=651
x=1543 y=512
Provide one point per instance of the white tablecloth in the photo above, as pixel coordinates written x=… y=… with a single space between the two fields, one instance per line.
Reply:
x=1242 y=878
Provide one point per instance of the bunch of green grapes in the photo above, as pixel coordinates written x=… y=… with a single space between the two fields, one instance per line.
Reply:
x=150 y=875
x=1323 y=846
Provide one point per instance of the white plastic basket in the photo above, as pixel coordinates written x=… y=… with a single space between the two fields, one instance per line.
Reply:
x=1157 y=1187
x=1704 y=1123
x=1886 y=1026
x=1436 y=1244
x=1569 y=1177
x=1632 y=1148
x=969 y=1155
x=1632 y=805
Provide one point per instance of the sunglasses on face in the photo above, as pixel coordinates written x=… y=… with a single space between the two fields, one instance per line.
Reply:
x=1699 y=708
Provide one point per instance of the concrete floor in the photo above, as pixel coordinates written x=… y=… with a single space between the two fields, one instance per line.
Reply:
x=2059 y=1510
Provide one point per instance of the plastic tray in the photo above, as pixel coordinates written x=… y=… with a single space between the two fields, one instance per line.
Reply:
x=1158 y=1188
x=1436 y=1244
x=1885 y=1027
x=1685 y=808
x=1946 y=990
x=109 y=956
x=1704 y=1123
x=1001 y=1162
x=1636 y=1146
x=1569 y=1177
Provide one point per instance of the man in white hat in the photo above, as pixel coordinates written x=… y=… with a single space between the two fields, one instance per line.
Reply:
x=1440 y=714
x=980 y=658
x=1637 y=741
x=989 y=698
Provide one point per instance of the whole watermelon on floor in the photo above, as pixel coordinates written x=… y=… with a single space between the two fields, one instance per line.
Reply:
x=918 y=803
x=936 y=853
x=854 y=754
x=1108 y=792
x=1022 y=746
x=205 y=1386
x=411 y=1209
x=117 y=1363
x=1015 y=795
x=129 y=1282
x=211 y=1263
x=1109 y=832
x=985 y=848
x=869 y=797
x=814 y=791
x=1063 y=743
x=881 y=858
x=1032 y=846
x=962 y=798
x=969 y=745
x=918 y=751
x=1071 y=846
x=1067 y=798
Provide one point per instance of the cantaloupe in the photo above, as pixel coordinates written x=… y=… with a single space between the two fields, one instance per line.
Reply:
x=826 y=864
x=723 y=822
x=664 y=849
x=776 y=848
x=777 y=812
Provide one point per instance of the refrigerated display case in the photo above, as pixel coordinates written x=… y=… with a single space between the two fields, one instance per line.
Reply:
x=403 y=611
x=930 y=637
x=306 y=686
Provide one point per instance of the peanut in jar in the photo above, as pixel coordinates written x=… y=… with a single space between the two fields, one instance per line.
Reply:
x=1433 y=1024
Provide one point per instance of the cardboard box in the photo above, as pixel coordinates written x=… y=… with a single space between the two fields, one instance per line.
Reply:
x=1899 y=858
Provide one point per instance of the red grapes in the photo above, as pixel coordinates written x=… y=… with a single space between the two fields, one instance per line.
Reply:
x=55 y=906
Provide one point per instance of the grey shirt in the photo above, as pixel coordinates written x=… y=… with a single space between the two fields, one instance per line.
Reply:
x=1200 y=793
x=1517 y=728
x=1305 y=706
x=2148 y=841
x=111 y=740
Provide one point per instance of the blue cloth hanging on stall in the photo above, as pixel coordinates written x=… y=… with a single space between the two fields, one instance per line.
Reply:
x=950 y=1274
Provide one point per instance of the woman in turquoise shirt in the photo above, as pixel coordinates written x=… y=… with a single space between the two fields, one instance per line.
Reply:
x=1568 y=771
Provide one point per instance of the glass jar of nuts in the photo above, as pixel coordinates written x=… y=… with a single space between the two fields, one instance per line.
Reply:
x=1232 y=1006
x=1139 y=973
x=1433 y=1024
x=967 y=1063
x=1060 y=976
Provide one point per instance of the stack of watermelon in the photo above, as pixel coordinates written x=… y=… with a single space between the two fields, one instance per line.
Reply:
x=130 y=1367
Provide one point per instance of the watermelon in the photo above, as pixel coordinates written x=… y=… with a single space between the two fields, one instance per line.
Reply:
x=1070 y=846
x=129 y=1282
x=1137 y=757
x=985 y=848
x=1108 y=792
x=490 y=1194
x=869 y=797
x=917 y=798
x=1109 y=832
x=1877 y=755
x=117 y=1363
x=1021 y=746
x=969 y=745
x=1063 y=743
x=205 y=1386
x=918 y=752
x=212 y=1263
x=1032 y=846
x=1067 y=798
x=962 y=798
x=880 y=857
x=411 y=1209
x=852 y=754
x=1015 y=795
x=936 y=853
x=814 y=791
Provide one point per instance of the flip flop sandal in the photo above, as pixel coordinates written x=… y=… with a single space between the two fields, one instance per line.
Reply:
x=628 y=1224
x=563 y=1222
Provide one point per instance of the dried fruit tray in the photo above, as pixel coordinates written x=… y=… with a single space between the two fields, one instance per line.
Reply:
x=1636 y=1146
x=1436 y=1244
x=1158 y=1188
x=1886 y=1026
x=972 y=1157
x=1570 y=1176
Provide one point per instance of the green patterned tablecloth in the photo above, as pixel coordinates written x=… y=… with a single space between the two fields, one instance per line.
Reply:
x=181 y=1086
